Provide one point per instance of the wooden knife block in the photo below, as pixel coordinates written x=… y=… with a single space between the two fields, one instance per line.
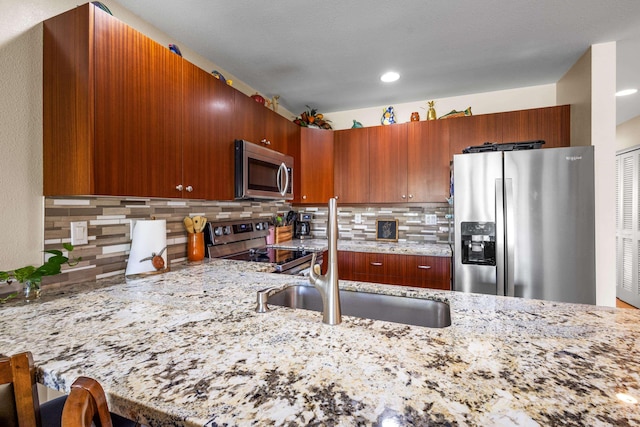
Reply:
x=284 y=234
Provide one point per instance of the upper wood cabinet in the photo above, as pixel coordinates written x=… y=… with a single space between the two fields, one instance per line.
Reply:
x=314 y=170
x=351 y=165
x=388 y=164
x=428 y=161
x=474 y=130
x=207 y=137
x=256 y=123
x=112 y=109
x=550 y=124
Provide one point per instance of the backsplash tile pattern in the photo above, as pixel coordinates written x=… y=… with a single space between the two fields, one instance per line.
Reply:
x=109 y=221
x=412 y=222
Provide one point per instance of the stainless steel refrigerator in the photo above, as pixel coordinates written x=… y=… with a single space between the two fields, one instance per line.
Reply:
x=524 y=224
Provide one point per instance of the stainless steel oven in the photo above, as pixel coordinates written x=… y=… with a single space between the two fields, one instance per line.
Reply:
x=245 y=240
x=261 y=173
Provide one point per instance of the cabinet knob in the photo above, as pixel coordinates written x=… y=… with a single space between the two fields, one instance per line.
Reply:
x=265 y=141
x=411 y=196
x=189 y=188
x=179 y=187
x=304 y=197
x=404 y=197
x=424 y=267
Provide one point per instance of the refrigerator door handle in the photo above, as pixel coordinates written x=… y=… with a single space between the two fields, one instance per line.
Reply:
x=500 y=261
x=510 y=246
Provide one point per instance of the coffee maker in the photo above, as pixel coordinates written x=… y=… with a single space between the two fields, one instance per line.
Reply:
x=303 y=226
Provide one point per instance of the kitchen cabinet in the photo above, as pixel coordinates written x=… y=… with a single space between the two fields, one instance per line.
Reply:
x=388 y=164
x=256 y=123
x=207 y=137
x=314 y=169
x=395 y=269
x=550 y=124
x=351 y=165
x=473 y=130
x=427 y=271
x=111 y=109
x=428 y=161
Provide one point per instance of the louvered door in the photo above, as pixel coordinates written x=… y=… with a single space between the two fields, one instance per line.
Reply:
x=628 y=226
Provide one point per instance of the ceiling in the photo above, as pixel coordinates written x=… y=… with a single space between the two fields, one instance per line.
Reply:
x=330 y=54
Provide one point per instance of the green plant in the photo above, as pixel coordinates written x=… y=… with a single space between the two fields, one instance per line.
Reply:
x=29 y=273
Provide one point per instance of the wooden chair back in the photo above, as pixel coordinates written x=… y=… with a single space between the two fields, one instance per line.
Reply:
x=19 y=404
x=85 y=404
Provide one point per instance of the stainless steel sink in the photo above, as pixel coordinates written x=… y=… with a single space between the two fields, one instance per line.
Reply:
x=405 y=310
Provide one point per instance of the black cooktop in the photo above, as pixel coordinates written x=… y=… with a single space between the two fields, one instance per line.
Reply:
x=271 y=255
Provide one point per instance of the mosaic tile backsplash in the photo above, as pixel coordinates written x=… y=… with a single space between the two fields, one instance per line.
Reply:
x=109 y=220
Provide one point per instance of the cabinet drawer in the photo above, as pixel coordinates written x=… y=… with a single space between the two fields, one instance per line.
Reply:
x=428 y=271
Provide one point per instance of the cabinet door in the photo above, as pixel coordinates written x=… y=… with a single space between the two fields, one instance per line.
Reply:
x=207 y=136
x=351 y=165
x=388 y=164
x=249 y=119
x=428 y=161
x=428 y=271
x=137 y=113
x=281 y=134
x=316 y=166
x=550 y=124
x=473 y=130
x=345 y=265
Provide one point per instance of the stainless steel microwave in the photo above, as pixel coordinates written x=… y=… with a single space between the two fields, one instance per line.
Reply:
x=262 y=173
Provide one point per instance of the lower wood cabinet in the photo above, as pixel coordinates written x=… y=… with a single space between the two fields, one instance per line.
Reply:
x=393 y=269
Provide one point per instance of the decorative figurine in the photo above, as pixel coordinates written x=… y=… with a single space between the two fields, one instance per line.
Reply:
x=453 y=113
x=175 y=49
x=431 y=113
x=356 y=124
x=218 y=76
x=415 y=116
x=388 y=116
x=258 y=98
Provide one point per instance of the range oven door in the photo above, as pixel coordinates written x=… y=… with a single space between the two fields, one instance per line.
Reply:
x=262 y=173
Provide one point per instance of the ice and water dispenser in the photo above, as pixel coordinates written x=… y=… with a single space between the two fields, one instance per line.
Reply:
x=478 y=243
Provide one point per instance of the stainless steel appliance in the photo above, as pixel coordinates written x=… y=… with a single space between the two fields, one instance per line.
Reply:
x=261 y=173
x=524 y=223
x=245 y=240
x=303 y=225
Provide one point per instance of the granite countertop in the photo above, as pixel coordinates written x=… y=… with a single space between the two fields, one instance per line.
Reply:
x=186 y=348
x=402 y=248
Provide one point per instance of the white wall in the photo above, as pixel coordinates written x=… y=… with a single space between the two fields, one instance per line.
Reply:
x=480 y=103
x=628 y=134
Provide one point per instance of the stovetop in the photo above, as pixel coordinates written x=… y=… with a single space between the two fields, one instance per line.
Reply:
x=271 y=255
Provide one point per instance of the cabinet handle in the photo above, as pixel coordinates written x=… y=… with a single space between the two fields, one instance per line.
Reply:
x=179 y=187
x=189 y=188
x=424 y=267
x=376 y=264
x=265 y=141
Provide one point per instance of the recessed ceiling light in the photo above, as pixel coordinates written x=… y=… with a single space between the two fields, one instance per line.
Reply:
x=390 y=76
x=626 y=92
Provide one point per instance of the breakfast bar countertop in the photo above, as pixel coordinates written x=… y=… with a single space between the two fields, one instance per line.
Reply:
x=403 y=248
x=186 y=348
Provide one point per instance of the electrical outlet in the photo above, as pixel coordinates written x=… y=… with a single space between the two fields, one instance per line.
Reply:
x=358 y=218
x=431 y=219
x=79 y=233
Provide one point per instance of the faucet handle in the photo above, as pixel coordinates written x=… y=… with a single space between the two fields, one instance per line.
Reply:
x=316 y=268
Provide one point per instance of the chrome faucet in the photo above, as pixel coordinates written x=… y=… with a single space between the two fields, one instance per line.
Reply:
x=327 y=284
